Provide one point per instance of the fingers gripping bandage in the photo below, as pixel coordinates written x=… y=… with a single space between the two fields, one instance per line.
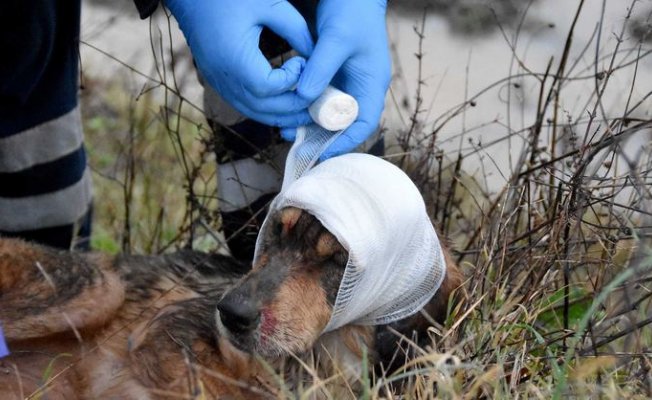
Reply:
x=333 y=112
x=376 y=212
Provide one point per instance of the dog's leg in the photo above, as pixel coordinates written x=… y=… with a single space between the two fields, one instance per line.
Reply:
x=44 y=291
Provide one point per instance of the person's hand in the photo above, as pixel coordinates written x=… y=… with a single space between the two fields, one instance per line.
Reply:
x=352 y=51
x=223 y=36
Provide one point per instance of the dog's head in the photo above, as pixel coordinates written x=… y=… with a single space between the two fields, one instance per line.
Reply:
x=283 y=305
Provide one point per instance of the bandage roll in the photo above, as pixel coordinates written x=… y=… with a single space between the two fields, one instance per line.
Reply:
x=334 y=110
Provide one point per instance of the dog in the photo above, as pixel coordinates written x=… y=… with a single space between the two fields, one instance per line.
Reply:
x=188 y=324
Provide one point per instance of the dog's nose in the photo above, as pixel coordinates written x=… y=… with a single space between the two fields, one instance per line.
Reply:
x=238 y=315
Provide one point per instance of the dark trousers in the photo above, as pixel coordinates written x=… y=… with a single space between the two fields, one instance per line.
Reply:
x=41 y=186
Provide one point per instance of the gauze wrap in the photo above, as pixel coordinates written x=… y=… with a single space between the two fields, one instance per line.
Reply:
x=376 y=212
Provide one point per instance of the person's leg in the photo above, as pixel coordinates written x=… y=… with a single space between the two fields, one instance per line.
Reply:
x=45 y=186
x=250 y=158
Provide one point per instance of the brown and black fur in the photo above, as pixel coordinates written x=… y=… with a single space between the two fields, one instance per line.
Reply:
x=143 y=327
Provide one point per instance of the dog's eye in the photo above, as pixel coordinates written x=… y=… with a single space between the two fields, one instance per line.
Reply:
x=327 y=245
x=278 y=229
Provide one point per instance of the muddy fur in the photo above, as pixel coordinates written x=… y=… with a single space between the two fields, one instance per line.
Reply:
x=91 y=326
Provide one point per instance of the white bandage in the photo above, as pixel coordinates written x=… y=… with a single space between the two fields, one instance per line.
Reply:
x=334 y=110
x=396 y=263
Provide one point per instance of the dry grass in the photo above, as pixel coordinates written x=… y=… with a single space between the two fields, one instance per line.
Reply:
x=559 y=261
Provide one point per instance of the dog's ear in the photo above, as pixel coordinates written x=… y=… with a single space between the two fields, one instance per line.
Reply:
x=289 y=217
x=328 y=245
x=450 y=292
x=394 y=342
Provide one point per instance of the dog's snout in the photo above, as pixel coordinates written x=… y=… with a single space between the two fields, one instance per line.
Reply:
x=238 y=315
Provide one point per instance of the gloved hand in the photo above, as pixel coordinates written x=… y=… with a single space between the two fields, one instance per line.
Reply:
x=351 y=48
x=223 y=36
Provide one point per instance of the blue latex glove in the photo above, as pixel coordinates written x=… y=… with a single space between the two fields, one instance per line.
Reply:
x=353 y=52
x=4 y=351
x=223 y=36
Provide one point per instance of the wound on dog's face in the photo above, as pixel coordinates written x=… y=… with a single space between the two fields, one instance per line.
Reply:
x=283 y=305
